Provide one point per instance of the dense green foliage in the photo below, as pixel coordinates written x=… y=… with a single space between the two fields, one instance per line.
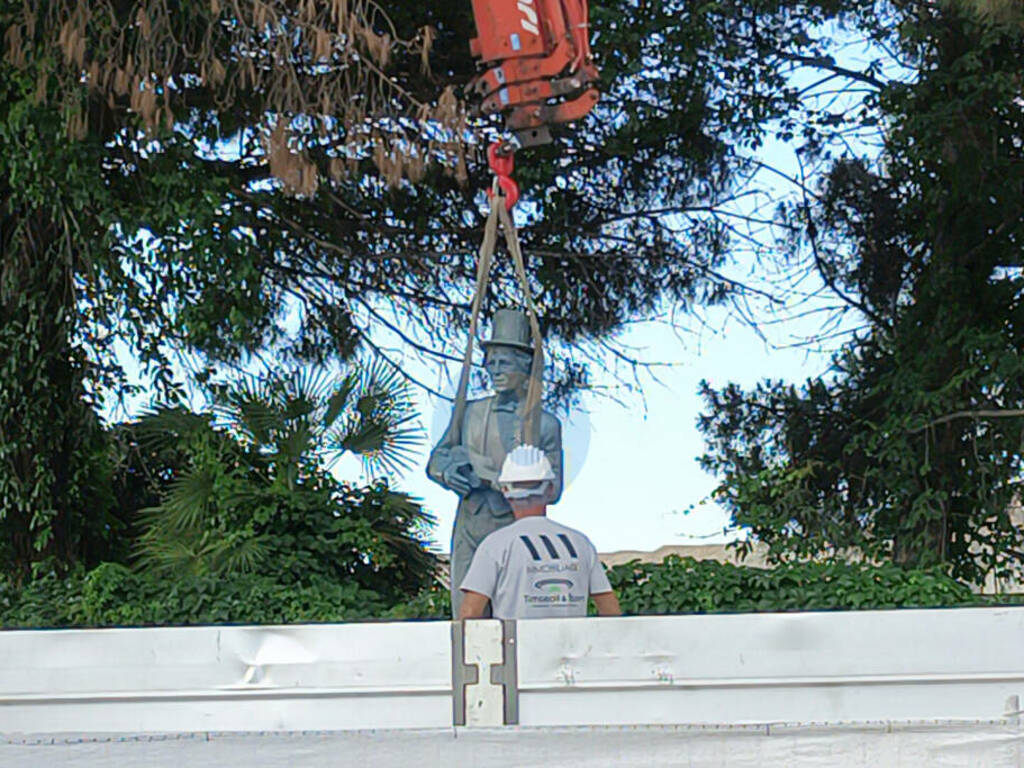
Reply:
x=232 y=514
x=910 y=447
x=147 y=198
x=256 y=494
x=685 y=585
x=114 y=596
x=227 y=249
x=54 y=472
x=247 y=491
x=139 y=205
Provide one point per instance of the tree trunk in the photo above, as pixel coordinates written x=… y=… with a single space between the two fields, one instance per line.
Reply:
x=52 y=462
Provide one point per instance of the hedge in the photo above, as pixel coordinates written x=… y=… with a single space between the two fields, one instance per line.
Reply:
x=113 y=595
x=684 y=585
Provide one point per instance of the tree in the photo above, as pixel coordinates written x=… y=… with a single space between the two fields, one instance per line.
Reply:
x=195 y=175
x=182 y=178
x=911 y=446
x=249 y=490
x=227 y=134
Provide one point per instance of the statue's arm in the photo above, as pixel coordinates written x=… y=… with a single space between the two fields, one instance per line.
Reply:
x=449 y=466
x=551 y=444
x=440 y=458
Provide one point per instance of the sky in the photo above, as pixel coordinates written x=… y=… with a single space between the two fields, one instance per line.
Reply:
x=632 y=474
x=632 y=477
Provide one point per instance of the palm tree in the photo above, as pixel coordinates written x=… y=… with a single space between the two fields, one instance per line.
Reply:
x=247 y=486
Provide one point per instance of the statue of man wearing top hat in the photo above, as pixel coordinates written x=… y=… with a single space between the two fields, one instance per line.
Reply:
x=468 y=460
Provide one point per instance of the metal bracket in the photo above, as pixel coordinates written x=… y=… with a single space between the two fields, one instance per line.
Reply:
x=1013 y=710
x=485 y=684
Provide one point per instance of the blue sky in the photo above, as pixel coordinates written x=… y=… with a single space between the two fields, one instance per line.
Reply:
x=631 y=468
x=632 y=477
x=633 y=481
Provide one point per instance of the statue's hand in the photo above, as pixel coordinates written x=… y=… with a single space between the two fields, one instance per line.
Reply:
x=460 y=478
x=457 y=472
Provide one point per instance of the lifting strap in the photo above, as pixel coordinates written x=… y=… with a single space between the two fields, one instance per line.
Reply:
x=499 y=214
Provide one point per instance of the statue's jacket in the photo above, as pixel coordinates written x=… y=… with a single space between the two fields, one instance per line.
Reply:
x=487 y=438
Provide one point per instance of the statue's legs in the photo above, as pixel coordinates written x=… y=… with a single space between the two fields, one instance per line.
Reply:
x=469 y=531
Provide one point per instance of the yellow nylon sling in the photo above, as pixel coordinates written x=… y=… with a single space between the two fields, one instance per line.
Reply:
x=499 y=214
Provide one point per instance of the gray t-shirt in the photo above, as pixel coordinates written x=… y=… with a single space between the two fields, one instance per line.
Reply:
x=536 y=569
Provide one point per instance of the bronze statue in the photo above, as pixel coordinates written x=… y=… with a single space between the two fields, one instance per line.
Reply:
x=468 y=460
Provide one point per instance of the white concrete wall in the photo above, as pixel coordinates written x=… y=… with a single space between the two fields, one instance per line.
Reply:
x=286 y=678
x=876 y=745
x=762 y=668
x=926 y=665
x=876 y=688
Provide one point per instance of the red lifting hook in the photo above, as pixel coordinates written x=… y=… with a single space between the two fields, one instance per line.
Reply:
x=502 y=163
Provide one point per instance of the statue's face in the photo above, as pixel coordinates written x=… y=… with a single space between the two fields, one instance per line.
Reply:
x=509 y=368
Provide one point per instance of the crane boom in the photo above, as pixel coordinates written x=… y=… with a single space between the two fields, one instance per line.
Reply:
x=537 y=63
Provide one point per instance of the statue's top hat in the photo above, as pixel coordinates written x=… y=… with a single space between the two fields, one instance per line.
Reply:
x=510 y=328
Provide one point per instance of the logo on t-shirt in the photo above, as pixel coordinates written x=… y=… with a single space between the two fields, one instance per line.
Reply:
x=553 y=592
x=549 y=547
x=553 y=585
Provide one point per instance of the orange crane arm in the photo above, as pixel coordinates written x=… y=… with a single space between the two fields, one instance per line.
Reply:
x=537 y=63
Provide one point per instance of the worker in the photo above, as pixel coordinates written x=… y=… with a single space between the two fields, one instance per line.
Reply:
x=492 y=426
x=534 y=568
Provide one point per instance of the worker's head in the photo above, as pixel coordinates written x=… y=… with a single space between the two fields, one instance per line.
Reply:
x=509 y=367
x=527 y=481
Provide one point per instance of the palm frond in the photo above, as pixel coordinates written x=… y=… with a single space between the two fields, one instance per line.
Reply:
x=312 y=385
x=251 y=406
x=171 y=532
x=407 y=511
x=380 y=379
x=168 y=427
x=162 y=555
x=257 y=420
x=295 y=443
x=238 y=552
x=338 y=400
x=269 y=409
x=188 y=500
x=385 y=447
x=382 y=427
